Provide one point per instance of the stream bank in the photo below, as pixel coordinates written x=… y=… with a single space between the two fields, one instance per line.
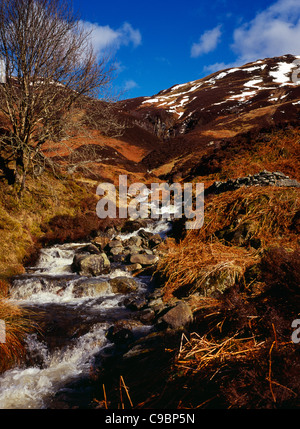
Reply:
x=92 y=301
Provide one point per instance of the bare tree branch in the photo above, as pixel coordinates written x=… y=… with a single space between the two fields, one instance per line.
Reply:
x=50 y=69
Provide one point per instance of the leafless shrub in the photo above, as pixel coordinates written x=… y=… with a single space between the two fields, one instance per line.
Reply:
x=50 y=72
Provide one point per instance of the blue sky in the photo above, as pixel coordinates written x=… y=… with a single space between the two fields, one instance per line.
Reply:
x=157 y=44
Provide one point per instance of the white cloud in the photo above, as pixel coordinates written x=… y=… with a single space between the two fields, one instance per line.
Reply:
x=104 y=37
x=130 y=84
x=207 y=42
x=130 y=35
x=273 y=32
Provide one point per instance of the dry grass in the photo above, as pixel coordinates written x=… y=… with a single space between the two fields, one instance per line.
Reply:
x=201 y=265
x=277 y=150
x=124 y=397
x=203 y=258
x=17 y=326
x=198 y=352
x=270 y=211
x=21 y=220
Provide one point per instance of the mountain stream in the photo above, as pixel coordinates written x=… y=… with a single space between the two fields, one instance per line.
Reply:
x=74 y=327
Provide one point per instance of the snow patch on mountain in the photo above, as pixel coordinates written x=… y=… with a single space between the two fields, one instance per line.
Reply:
x=282 y=74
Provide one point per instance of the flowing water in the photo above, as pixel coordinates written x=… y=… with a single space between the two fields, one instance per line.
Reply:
x=73 y=328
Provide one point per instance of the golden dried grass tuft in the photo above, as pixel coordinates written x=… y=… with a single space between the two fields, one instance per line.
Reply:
x=17 y=324
x=202 y=255
x=192 y=262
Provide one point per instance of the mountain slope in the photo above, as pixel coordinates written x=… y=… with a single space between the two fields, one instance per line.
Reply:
x=188 y=120
x=183 y=130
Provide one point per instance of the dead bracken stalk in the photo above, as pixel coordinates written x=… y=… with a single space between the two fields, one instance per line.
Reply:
x=105 y=398
x=198 y=351
x=270 y=371
x=123 y=385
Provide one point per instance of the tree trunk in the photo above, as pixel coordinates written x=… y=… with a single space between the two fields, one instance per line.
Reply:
x=8 y=172
x=20 y=173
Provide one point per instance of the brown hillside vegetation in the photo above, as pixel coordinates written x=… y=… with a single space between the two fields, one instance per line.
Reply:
x=240 y=273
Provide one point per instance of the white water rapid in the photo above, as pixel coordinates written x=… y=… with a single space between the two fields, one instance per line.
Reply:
x=76 y=326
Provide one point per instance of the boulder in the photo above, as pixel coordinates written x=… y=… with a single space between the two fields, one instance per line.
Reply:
x=135 y=303
x=119 y=259
x=145 y=234
x=179 y=316
x=147 y=316
x=101 y=242
x=143 y=259
x=148 y=252
x=123 y=285
x=115 y=243
x=133 y=267
x=155 y=240
x=120 y=333
x=133 y=249
x=91 y=288
x=117 y=250
x=90 y=248
x=134 y=241
x=157 y=305
x=91 y=265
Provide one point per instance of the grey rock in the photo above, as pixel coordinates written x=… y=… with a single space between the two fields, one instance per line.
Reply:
x=288 y=183
x=143 y=259
x=134 y=241
x=264 y=178
x=123 y=285
x=134 y=249
x=133 y=267
x=91 y=288
x=115 y=243
x=147 y=316
x=135 y=303
x=91 y=265
x=90 y=248
x=148 y=252
x=179 y=316
x=117 y=250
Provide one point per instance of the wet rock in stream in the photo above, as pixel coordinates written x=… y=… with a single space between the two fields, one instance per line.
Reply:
x=90 y=265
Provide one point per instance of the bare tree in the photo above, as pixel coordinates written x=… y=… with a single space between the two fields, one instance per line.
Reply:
x=50 y=69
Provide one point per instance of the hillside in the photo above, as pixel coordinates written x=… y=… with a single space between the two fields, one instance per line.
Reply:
x=197 y=118
x=177 y=132
x=224 y=297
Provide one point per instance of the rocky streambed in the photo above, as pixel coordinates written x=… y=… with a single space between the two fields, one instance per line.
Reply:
x=94 y=302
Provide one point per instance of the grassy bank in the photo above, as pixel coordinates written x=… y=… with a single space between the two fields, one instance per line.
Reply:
x=25 y=222
x=51 y=210
x=239 y=228
x=241 y=273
